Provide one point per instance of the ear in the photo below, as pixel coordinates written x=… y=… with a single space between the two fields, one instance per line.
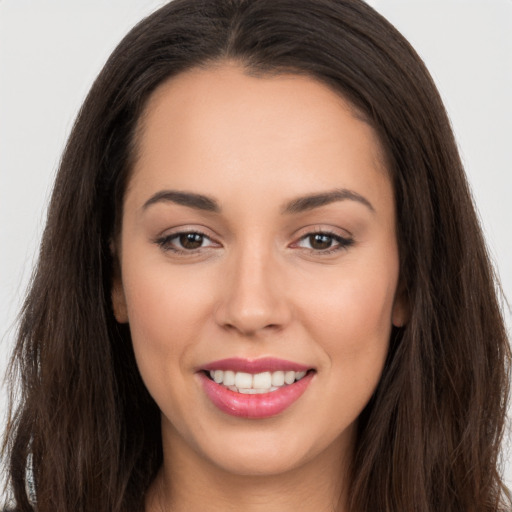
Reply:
x=119 y=301
x=117 y=291
x=400 y=312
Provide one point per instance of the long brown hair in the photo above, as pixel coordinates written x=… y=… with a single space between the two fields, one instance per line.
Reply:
x=85 y=428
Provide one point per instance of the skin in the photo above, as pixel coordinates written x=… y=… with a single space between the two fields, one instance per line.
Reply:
x=257 y=286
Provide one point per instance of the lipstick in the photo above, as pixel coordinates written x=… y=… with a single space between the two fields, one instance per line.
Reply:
x=262 y=404
x=265 y=364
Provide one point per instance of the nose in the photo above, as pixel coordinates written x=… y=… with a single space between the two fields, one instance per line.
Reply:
x=254 y=297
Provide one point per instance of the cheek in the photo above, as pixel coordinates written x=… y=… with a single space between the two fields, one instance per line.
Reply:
x=353 y=312
x=165 y=311
x=351 y=322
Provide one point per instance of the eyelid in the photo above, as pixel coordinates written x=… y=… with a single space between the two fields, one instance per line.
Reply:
x=343 y=241
x=327 y=229
x=164 y=240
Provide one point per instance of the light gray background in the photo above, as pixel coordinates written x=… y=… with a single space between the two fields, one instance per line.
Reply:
x=51 y=50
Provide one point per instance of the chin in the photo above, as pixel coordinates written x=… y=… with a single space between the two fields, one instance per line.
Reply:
x=267 y=452
x=259 y=462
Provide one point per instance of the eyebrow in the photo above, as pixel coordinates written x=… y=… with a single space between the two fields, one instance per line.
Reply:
x=312 y=201
x=190 y=199
x=298 y=205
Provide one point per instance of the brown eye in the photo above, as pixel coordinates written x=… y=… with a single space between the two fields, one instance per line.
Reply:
x=320 y=241
x=186 y=242
x=323 y=243
x=191 y=240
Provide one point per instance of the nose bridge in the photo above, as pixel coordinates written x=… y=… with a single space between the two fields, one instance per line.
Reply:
x=253 y=297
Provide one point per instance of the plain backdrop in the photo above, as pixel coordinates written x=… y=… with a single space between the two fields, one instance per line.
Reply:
x=51 y=51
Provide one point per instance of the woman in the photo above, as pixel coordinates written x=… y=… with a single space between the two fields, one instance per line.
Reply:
x=262 y=284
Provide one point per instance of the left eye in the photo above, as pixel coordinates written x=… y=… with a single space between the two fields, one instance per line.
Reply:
x=323 y=242
x=185 y=241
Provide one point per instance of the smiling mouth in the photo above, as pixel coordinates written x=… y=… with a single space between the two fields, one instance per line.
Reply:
x=254 y=388
x=252 y=395
x=254 y=384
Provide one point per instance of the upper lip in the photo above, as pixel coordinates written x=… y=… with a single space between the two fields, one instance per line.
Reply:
x=264 y=364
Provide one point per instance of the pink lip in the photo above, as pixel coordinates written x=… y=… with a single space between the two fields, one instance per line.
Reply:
x=265 y=364
x=257 y=406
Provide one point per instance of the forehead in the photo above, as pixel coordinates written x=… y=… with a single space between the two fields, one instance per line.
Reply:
x=290 y=130
x=207 y=95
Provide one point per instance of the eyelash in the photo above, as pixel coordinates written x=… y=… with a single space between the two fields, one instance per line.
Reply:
x=166 y=242
x=343 y=243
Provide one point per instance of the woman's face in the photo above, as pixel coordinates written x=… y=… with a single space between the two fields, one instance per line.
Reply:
x=258 y=243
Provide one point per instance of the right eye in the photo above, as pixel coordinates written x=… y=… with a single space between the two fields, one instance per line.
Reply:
x=185 y=242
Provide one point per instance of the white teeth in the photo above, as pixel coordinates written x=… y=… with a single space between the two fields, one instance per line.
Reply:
x=278 y=378
x=289 y=377
x=229 y=378
x=249 y=384
x=254 y=391
x=246 y=391
x=262 y=380
x=243 y=380
x=249 y=391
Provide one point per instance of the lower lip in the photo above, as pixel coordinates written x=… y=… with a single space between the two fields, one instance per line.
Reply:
x=258 y=406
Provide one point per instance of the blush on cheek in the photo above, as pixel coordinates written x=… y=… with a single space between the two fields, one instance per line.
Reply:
x=353 y=312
